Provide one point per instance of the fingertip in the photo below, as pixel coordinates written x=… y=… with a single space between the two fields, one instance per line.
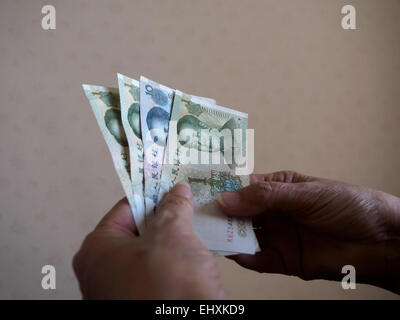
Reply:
x=179 y=198
x=220 y=201
x=120 y=215
x=123 y=204
x=242 y=202
x=175 y=206
x=182 y=189
x=254 y=178
x=228 y=199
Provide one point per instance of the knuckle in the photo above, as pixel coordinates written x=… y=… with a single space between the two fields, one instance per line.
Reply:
x=262 y=191
x=173 y=216
x=166 y=219
x=169 y=229
x=262 y=188
x=175 y=202
x=168 y=216
x=171 y=222
x=287 y=176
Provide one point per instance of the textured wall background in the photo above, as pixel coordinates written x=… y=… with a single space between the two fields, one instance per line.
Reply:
x=322 y=100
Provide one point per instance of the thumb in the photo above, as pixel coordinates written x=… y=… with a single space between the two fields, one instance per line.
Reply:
x=176 y=205
x=119 y=218
x=263 y=197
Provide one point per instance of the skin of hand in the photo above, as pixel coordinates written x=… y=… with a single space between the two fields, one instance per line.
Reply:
x=312 y=227
x=167 y=262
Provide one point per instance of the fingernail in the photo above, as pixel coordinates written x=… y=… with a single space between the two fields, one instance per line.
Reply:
x=182 y=189
x=228 y=199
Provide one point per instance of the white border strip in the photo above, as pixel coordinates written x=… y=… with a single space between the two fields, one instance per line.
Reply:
x=90 y=87
x=143 y=78
x=127 y=79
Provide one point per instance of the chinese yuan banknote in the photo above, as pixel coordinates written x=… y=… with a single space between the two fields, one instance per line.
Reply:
x=105 y=103
x=202 y=136
x=155 y=109
x=130 y=114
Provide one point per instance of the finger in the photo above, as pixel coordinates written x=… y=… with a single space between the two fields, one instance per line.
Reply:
x=284 y=237
x=265 y=196
x=177 y=204
x=281 y=249
x=286 y=176
x=120 y=217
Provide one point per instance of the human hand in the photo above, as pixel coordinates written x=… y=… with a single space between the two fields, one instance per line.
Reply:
x=312 y=227
x=167 y=262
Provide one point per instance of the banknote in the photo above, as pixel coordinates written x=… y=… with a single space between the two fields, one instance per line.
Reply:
x=155 y=108
x=105 y=103
x=203 y=149
x=220 y=233
x=130 y=114
x=205 y=100
x=202 y=136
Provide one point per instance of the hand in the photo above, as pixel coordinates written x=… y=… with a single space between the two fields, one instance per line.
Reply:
x=167 y=262
x=312 y=227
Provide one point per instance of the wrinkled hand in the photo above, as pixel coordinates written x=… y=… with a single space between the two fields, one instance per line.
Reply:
x=167 y=262
x=312 y=227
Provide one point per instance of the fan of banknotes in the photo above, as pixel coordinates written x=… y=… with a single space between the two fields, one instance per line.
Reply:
x=158 y=137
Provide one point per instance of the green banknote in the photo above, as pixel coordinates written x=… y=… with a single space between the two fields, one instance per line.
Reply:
x=105 y=103
x=130 y=114
x=204 y=147
x=202 y=136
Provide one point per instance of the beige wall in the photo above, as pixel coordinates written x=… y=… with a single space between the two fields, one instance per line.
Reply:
x=322 y=101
